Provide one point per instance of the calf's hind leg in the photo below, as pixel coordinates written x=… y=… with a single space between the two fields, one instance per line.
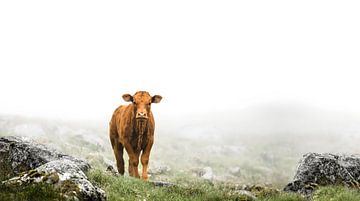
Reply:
x=119 y=159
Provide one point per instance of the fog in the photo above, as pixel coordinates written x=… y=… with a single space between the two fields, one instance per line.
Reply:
x=75 y=59
x=238 y=79
x=261 y=144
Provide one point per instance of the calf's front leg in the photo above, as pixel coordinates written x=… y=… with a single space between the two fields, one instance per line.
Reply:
x=133 y=161
x=145 y=160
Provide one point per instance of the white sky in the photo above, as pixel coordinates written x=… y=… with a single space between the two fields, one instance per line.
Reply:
x=74 y=59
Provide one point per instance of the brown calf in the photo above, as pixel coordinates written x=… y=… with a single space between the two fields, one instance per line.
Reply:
x=132 y=127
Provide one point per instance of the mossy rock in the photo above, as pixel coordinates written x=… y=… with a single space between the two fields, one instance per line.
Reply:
x=26 y=163
x=18 y=154
x=70 y=188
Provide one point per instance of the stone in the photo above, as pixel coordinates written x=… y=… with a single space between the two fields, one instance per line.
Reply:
x=162 y=183
x=64 y=175
x=204 y=173
x=32 y=163
x=158 y=169
x=325 y=169
x=235 y=171
x=112 y=170
x=21 y=154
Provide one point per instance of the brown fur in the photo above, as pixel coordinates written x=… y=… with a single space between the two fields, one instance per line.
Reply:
x=132 y=127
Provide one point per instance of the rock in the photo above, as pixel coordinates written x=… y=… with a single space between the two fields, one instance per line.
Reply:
x=325 y=169
x=158 y=168
x=162 y=183
x=20 y=154
x=205 y=173
x=252 y=192
x=64 y=175
x=208 y=173
x=261 y=190
x=37 y=163
x=112 y=170
x=268 y=158
x=235 y=171
x=246 y=195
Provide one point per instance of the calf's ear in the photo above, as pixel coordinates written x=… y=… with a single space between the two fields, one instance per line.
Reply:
x=156 y=99
x=127 y=97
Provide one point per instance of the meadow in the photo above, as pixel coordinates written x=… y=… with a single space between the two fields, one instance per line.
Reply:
x=206 y=158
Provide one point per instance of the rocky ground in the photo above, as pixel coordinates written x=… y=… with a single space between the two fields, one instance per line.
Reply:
x=247 y=159
x=24 y=162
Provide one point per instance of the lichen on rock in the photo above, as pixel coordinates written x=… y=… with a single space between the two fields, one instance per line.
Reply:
x=33 y=163
x=325 y=169
x=21 y=154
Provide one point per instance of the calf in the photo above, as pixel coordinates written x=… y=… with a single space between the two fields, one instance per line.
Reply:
x=132 y=127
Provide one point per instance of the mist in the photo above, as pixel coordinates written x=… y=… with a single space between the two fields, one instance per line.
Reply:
x=247 y=86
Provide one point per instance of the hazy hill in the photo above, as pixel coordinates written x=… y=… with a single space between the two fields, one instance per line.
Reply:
x=259 y=143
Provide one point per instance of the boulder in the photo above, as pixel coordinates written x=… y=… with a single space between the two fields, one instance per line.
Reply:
x=65 y=176
x=325 y=169
x=19 y=154
x=31 y=163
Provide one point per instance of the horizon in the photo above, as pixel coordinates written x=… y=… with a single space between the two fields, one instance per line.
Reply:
x=255 y=108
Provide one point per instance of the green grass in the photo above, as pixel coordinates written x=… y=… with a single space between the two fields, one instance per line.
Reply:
x=283 y=197
x=336 y=193
x=33 y=192
x=127 y=188
x=131 y=189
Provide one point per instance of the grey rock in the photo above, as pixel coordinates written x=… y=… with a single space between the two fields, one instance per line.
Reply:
x=205 y=173
x=208 y=173
x=64 y=175
x=158 y=168
x=247 y=194
x=162 y=183
x=112 y=170
x=235 y=171
x=324 y=169
x=38 y=163
x=21 y=154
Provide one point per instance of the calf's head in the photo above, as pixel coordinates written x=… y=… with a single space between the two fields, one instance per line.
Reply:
x=142 y=101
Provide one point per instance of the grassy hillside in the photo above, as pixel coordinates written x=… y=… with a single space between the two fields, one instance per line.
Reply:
x=186 y=189
x=126 y=188
x=256 y=146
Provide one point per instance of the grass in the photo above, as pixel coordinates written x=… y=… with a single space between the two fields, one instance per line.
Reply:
x=283 y=196
x=33 y=192
x=336 y=193
x=270 y=160
x=127 y=188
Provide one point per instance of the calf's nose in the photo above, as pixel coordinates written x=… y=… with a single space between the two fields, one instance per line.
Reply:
x=141 y=115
